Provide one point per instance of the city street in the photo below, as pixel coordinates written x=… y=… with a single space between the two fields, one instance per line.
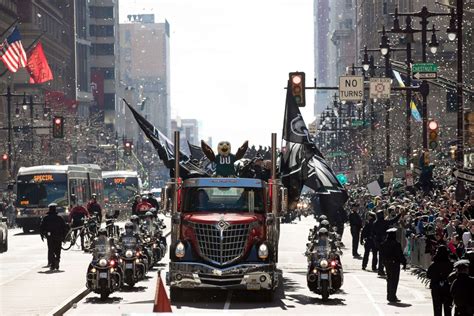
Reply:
x=363 y=293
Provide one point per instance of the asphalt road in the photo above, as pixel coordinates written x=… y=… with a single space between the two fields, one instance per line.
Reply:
x=363 y=292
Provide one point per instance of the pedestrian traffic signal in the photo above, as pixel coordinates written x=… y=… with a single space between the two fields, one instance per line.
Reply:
x=297 y=85
x=4 y=161
x=127 y=148
x=58 y=127
x=433 y=136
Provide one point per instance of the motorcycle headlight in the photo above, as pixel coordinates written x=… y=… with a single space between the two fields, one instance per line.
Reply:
x=102 y=262
x=129 y=253
x=180 y=250
x=263 y=251
x=323 y=263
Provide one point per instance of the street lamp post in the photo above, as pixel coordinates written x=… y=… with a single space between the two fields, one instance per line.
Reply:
x=9 y=128
x=455 y=32
x=424 y=15
x=408 y=31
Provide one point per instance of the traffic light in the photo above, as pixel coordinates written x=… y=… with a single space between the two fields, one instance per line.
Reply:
x=58 y=127
x=433 y=136
x=4 y=161
x=127 y=148
x=297 y=84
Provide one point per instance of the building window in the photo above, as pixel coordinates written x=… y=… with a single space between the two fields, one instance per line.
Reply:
x=101 y=30
x=109 y=73
x=101 y=12
x=348 y=4
x=102 y=49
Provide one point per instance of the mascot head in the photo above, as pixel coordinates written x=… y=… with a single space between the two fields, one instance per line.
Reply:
x=223 y=148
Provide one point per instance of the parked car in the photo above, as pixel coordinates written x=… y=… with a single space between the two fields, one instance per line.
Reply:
x=3 y=234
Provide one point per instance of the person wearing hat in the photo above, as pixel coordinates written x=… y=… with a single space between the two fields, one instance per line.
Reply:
x=367 y=240
x=54 y=228
x=94 y=208
x=355 y=222
x=151 y=199
x=438 y=273
x=462 y=289
x=392 y=256
x=380 y=230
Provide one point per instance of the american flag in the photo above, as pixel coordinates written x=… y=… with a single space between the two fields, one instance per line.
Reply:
x=12 y=53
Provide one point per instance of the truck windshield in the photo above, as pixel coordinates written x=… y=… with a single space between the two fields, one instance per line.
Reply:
x=243 y=200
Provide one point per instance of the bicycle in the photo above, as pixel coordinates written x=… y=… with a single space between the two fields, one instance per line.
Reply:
x=89 y=230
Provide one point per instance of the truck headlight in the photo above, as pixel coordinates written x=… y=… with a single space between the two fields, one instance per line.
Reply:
x=323 y=263
x=180 y=250
x=263 y=251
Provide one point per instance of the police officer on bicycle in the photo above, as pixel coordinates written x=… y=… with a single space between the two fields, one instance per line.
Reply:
x=94 y=208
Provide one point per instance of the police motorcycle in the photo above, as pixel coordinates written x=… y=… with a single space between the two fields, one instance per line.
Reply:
x=145 y=239
x=112 y=229
x=325 y=275
x=104 y=275
x=133 y=263
x=152 y=227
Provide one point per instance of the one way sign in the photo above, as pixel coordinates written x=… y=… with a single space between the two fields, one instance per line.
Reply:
x=464 y=175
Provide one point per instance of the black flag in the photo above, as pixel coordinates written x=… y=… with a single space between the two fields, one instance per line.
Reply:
x=165 y=148
x=302 y=163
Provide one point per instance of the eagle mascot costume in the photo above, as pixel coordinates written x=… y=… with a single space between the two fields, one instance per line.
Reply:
x=224 y=159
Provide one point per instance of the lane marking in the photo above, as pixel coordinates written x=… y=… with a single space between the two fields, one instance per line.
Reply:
x=227 y=302
x=369 y=295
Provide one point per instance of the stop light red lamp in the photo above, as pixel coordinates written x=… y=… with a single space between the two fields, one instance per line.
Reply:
x=58 y=127
x=433 y=134
x=4 y=161
x=297 y=85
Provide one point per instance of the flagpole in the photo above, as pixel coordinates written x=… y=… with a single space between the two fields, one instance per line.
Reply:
x=31 y=46
x=11 y=25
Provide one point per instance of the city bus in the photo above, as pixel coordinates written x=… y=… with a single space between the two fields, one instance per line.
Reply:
x=38 y=186
x=120 y=188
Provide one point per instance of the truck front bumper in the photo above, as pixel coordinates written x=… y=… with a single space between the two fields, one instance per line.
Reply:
x=246 y=276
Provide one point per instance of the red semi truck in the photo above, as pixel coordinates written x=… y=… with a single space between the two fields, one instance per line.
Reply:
x=224 y=234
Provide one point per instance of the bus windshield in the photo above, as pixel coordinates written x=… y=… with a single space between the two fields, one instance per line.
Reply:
x=216 y=199
x=120 y=189
x=40 y=190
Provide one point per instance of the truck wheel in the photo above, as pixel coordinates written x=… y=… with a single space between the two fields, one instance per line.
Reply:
x=176 y=294
x=325 y=289
x=267 y=295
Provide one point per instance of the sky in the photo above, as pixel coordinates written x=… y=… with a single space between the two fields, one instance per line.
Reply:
x=230 y=62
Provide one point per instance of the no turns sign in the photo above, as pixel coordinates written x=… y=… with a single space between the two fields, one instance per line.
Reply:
x=351 y=88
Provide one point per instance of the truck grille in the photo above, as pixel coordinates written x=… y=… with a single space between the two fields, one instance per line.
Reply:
x=221 y=244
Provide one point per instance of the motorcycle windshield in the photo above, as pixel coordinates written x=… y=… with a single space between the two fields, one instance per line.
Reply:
x=322 y=250
x=103 y=250
x=129 y=242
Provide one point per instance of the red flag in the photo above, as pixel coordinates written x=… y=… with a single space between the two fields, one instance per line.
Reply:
x=38 y=66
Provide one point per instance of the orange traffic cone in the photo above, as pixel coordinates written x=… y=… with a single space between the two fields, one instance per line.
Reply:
x=162 y=302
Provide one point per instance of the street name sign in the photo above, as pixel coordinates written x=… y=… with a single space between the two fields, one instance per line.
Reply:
x=351 y=88
x=380 y=88
x=425 y=71
x=464 y=175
